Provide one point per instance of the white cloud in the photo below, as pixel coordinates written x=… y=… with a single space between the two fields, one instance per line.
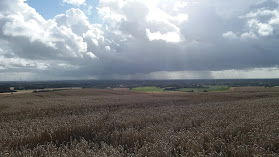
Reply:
x=74 y=19
x=249 y=35
x=261 y=12
x=168 y=37
x=75 y=2
x=132 y=18
x=260 y=23
x=265 y=29
x=107 y=48
x=77 y=21
x=180 y=18
x=28 y=27
x=230 y=35
x=29 y=42
x=15 y=62
x=180 y=5
x=90 y=54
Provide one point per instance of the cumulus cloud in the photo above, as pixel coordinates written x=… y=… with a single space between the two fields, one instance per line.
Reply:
x=78 y=23
x=74 y=2
x=121 y=17
x=230 y=35
x=261 y=22
x=154 y=39
x=107 y=48
x=29 y=35
x=30 y=43
x=168 y=37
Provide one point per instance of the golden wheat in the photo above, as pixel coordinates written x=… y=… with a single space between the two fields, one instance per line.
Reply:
x=121 y=123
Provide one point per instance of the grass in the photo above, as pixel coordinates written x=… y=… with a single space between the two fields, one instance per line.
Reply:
x=148 y=89
x=94 y=122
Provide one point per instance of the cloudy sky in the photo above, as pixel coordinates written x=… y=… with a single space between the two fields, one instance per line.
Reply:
x=138 y=39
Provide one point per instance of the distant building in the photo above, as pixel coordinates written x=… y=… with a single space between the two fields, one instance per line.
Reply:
x=12 y=88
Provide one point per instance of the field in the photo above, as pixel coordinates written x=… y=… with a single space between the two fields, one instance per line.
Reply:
x=150 y=89
x=206 y=89
x=96 y=122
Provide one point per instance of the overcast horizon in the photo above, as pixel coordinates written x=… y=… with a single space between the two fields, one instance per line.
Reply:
x=138 y=39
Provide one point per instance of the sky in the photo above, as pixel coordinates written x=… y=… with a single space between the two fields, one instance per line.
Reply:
x=138 y=39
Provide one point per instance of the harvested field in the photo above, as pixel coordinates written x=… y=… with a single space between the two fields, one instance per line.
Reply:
x=123 y=89
x=95 y=122
x=256 y=89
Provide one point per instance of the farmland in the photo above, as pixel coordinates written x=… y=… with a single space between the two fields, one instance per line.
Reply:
x=148 y=89
x=103 y=122
x=151 y=89
x=206 y=89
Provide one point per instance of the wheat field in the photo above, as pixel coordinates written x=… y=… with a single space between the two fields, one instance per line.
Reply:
x=96 y=122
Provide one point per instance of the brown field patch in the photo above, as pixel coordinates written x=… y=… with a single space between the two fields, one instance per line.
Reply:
x=122 y=89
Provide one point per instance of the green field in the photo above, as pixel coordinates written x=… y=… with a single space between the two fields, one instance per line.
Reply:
x=148 y=89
